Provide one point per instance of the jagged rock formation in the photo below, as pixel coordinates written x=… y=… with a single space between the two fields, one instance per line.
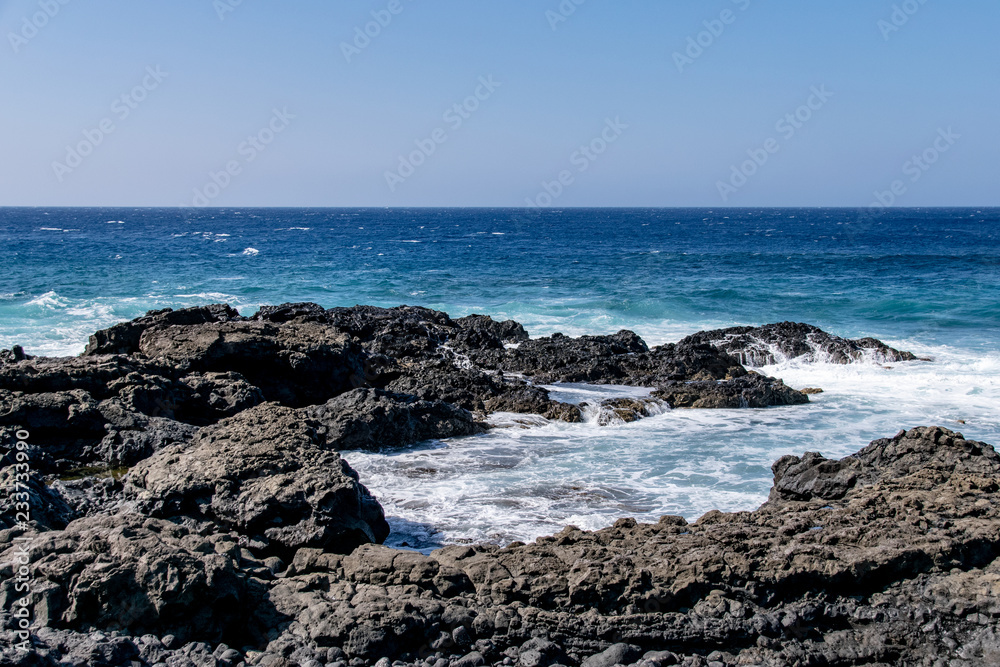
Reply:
x=239 y=534
x=152 y=382
x=889 y=556
x=759 y=346
x=268 y=474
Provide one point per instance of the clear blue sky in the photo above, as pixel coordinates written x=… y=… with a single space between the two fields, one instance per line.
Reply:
x=892 y=93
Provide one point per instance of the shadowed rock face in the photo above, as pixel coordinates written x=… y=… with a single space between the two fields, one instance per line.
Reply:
x=374 y=419
x=759 y=346
x=747 y=391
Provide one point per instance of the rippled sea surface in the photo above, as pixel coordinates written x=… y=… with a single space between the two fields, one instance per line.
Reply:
x=926 y=280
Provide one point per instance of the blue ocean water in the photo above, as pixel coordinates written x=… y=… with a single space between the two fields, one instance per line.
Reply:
x=927 y=280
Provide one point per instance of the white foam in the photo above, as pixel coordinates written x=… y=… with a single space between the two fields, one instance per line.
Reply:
x=530 y=476
x=49 y=300
x=579 y=392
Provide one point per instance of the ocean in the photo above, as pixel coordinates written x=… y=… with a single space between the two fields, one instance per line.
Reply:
x=923 y=280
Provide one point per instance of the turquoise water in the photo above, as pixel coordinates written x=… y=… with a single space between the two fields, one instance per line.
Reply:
x=927 y=280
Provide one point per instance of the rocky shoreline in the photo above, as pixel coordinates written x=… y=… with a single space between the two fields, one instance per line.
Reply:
x=184 y=503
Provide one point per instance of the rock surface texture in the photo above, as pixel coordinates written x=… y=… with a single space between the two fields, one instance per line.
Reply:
x=188 y=505
x=759 y=346
x=886 y=557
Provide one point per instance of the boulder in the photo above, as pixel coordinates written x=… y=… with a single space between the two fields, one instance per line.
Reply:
x=477 y=391
x=482 y=332
x=268 y=474
x=124 y=338
x=296 y=364
x=749 y=391
x=374 y=419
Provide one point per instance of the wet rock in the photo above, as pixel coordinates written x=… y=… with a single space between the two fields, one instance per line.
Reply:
x=374 y=419
x=14 y=354
x=760 y=346
x=626 y=410
x=482 y=332
x=749 y=391
x=478 y=391
x=559 y=358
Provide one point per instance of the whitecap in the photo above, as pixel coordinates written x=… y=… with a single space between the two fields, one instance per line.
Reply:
x=251 y=252
x=48 y=300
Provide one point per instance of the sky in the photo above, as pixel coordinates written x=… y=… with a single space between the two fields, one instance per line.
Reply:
x=551 y=103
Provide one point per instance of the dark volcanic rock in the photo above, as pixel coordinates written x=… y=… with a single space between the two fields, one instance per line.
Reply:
x=124 y=338
x=402 y=333
x=27 y=500
x=14 y=354
x=832 y=570
x=374 y=419
x=91 y=374
x=132 y=437
x=62 y=426
x=687 y=374
x=296 y=364
x=758 y=346
x=92 y=494
x=289 y=312
x=889 y=556
x=749 y=391
x=133 y=574
x=813 y=476
x=625 y=410
x=267 y=473
x=478 y=391
x=482 y=332
x=559 y=358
